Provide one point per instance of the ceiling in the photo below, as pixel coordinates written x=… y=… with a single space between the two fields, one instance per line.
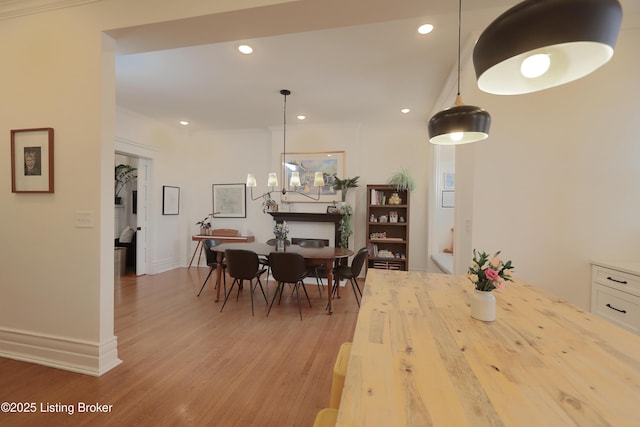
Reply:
x=360 y=63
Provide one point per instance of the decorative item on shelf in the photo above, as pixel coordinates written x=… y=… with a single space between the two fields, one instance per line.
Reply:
x=487 y=273
x=383 y=218
x=395 y=199
x=402 y=180
x=344 y=185
x=205 y=225
x=268 y=204
x=123 y=175
x=530 y=47
x=393 y=216
x=272 y=182
x=281 y=231
x=460 y=124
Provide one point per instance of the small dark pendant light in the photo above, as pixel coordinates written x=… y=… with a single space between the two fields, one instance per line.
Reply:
x=539 y=44
x=461 y=123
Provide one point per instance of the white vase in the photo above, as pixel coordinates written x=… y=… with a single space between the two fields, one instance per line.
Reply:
x=483 y=305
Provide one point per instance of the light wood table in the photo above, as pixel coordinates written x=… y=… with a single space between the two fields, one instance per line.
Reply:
x=419 y=359
x=326 y=256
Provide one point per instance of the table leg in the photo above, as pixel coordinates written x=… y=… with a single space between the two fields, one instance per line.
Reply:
x=220 y=256
x=329 y=266
x=194 y=254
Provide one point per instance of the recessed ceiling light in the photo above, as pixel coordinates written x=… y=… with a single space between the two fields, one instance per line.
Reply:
x=425 y=28
x=184 y=123
x=405 y=110
x=301 y=117
x=245 y=48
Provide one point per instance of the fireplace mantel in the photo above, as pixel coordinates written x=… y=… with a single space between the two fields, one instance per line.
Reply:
x=310 y=217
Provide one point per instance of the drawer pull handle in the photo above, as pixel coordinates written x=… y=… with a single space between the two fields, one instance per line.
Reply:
x=624 y=282
x=616 y=309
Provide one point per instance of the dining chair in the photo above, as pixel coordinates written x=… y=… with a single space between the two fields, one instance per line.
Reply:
x=314 y=270
x=264 y=259
x=350 y=273
x=212 y=262
x=243 y=265
x=288 y=267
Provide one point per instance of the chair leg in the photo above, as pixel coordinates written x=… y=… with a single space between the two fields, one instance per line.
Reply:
x=354 y=285
x=226 y=297
x=262 y=289
x=205 y=281
x=296 y=286
x=279 y=288
x=251 y=289
x=319 y=282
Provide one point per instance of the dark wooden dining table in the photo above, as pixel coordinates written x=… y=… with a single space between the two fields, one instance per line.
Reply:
x=326 y=256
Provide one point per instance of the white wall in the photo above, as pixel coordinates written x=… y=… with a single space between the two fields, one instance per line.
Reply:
x=56 y=278
x=557 y=184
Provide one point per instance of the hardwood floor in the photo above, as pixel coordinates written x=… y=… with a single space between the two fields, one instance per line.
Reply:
x=187 y=364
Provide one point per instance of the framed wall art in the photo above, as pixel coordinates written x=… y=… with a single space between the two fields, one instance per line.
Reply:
x=330 y=163
x=229 y=201
x=170 y=200
x=32 y=160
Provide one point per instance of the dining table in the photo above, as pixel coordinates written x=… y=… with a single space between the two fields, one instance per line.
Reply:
x=326 y=256
x=418 y=358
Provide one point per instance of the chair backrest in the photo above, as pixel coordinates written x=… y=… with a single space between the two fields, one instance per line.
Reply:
x=272 y=242
x=241 y=264
x=358 y=261
x=310 y=243
x=287 y=267
x=212 y=256
x=226 y=232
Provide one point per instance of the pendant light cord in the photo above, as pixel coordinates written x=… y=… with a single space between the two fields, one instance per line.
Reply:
x=284 y=144
x=459 y=32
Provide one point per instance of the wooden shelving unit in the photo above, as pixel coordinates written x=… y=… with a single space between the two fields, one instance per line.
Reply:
x=387 y=228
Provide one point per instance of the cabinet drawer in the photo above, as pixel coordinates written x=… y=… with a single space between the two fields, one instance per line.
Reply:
x=615 y=279
x=618 y=307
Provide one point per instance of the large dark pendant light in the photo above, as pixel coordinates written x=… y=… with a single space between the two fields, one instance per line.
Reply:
x=553 y=42
x=461 y=123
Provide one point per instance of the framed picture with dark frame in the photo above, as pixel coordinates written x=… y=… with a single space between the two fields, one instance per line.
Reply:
x=170 y=200
x=32 y=160
x=229 y=200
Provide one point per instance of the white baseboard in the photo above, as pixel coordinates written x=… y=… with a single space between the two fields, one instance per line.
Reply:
x=83 y=357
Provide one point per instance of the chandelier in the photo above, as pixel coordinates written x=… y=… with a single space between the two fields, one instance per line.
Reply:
x=294 y=182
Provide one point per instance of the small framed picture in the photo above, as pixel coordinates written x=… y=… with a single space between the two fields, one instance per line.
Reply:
x=449 y=181
x=332 y=209
x=448 y=198
x=170 y=200
x=32 y=160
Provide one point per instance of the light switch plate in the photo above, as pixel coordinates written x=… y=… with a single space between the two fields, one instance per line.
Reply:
x=84 y=219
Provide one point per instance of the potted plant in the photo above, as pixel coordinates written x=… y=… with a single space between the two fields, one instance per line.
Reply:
x=402 y=180
x=268 y=204
x=344 y=185
x=345 y=225
x=205 y=225
x=123 y=175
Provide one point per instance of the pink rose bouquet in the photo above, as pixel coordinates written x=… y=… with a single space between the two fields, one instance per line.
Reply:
x=489 y=272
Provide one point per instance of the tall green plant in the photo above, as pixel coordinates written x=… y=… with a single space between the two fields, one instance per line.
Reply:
x=123 y=175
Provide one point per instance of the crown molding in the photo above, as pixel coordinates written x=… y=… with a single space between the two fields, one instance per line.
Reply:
x=15 y=8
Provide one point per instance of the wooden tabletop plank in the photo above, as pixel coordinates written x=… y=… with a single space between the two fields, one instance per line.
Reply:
x=419 y=359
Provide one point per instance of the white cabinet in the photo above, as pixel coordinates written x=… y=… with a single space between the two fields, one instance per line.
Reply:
x=615 y=293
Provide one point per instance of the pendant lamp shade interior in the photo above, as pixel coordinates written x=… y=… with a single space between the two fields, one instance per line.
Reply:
x=539 y=44
x=460 y=124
